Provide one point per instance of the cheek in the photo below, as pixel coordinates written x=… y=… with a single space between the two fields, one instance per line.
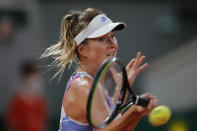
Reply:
x=99 y=53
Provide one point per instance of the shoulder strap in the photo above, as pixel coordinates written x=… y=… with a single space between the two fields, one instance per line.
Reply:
x=83 y=73
x=77 y=75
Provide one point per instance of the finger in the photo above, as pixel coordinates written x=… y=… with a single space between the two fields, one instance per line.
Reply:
x=141 y=59
x=142 y=68
x=136 y=63
x=155 y=103
x=150 y=104
x=130 y=64
x=146 y=95
x=113 y=72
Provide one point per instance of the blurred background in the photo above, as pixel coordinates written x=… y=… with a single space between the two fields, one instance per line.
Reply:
x=163 y=30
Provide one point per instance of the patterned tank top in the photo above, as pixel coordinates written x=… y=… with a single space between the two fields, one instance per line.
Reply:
x=69 y=124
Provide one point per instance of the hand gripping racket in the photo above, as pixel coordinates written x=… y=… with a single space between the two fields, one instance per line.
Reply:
x=107 y=97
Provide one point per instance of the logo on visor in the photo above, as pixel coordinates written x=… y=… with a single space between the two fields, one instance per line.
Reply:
x=103 y=19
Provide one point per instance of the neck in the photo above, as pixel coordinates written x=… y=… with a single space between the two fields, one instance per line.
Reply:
x=90 y=68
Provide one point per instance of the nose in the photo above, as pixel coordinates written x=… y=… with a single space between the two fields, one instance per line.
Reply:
x=112 y=42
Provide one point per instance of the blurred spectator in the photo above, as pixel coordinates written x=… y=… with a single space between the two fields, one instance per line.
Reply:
x=6 y=30
x=7 y=83
x=28 y=110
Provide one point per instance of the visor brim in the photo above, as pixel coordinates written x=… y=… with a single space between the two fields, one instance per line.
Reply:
x=107 y=28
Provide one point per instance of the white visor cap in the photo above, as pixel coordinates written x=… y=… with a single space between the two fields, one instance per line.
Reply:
x=99 y=26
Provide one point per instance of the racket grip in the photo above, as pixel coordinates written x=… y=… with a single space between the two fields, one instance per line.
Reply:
x=142 y=101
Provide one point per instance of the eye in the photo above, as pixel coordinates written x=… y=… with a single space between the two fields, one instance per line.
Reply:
x=102 y=39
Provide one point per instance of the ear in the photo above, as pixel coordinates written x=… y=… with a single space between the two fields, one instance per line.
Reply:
x=82 y=52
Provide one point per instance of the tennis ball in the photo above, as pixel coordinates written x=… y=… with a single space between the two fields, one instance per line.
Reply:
x=159 y=115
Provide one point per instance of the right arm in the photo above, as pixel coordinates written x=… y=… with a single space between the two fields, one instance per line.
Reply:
x=130 y=119
x=127 y=122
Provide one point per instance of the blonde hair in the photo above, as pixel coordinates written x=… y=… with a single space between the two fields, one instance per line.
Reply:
x=64 y=52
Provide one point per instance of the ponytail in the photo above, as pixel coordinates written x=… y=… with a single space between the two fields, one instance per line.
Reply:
x=64 y=52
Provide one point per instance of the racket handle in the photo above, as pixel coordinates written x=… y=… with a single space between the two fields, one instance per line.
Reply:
x=142 y=101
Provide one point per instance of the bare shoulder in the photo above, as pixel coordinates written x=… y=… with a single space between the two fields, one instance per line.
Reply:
x=82 y=84
x=76 y=97
x=79 y=88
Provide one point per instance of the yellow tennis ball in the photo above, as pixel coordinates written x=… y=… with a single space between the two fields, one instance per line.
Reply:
x=159 y=115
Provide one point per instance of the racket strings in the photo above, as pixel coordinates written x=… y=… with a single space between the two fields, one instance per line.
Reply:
x=108 y=94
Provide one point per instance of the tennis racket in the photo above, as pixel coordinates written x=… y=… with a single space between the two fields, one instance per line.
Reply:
x=107 y=99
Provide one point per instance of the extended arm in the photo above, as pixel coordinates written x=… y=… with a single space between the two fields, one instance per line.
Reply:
x=131 y=118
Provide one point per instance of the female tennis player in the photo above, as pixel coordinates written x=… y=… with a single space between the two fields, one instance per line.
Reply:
x=88 y=38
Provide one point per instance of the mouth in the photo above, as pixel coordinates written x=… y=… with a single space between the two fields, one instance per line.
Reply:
x=111 y=55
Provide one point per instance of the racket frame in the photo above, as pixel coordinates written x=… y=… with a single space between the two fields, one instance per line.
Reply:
x=121 y=97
